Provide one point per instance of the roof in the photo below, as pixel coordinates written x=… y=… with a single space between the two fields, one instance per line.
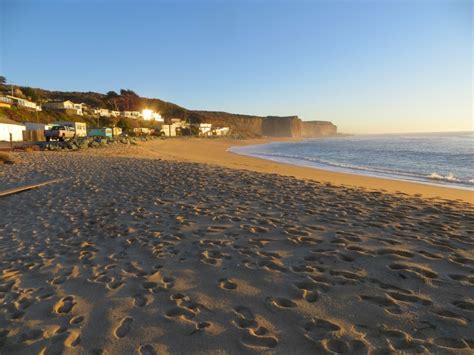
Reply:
x=6 y=120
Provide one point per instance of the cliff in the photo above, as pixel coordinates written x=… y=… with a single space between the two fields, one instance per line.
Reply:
x=312 y=129
x=281 y=126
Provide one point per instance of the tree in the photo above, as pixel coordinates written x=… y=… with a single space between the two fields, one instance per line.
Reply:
x=130 y=99
x=3 y=80
x=30 y=92
x=112 y=95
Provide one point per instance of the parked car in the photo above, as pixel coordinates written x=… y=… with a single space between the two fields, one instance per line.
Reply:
x=60 y=133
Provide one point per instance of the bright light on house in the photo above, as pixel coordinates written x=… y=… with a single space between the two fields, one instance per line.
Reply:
x=147 y=115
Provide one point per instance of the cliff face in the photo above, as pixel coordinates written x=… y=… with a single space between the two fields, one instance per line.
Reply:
x=281 y=126
x=271 y=126
x=312 y=129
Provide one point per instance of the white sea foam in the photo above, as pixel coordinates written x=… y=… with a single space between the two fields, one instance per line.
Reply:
x=449 y=177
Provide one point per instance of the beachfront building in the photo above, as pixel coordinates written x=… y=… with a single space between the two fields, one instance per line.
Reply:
x=34 y=126
x=103 y=112
x=131 y=114
x=222 y=131
x=173 y=129
x=142 y=131
x=10 y=129
x=65 y=106
x=203 y=128
x=150 y=115
x=5 y=102
x=29 y=105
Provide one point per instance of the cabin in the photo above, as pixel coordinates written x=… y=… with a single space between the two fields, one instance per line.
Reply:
x=29 y=105
x=5 y=102
x=10 y=129
x=100 y=132
x=131 y=114
x=205 y=129
x=65 y=106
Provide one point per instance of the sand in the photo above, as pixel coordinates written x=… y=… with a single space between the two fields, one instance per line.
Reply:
x=125 y=255
x=214 y=152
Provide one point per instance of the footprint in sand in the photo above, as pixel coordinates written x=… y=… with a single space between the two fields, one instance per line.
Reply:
x=227 y=284
x=76 y=320
x=280 y=302
x=140 y=300
x=73 y=338
x=147 y=349
x=464 y=304
x=419 y=271
x=255 y=336
x=450 y=343
x=64 y=305
x=180 y=312
x=319 y=329
x=124 y=327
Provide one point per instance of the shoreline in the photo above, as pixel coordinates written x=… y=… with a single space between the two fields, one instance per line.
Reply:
x=215 y=152
x=330 y=168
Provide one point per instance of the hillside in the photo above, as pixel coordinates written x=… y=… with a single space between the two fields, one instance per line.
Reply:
x=128 y=100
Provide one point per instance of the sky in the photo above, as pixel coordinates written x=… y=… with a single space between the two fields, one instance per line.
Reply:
x=368 y=66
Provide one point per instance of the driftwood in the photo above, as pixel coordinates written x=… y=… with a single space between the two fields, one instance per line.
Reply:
x=26 y=188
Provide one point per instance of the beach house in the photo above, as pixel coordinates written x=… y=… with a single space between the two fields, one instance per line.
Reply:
x=131 y=114
x=19 y=102
x=102 y=112
x=150 y=115
x=10 y=129
x=5 y=102
x=65 y=106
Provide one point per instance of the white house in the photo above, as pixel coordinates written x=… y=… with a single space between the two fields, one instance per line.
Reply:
x=34 y=126
x=204 y=128
x=223 y=131
x=24 y=103
x=150 y=115
x=131 y=114
x=103 y=112
x=170 y=130
x=9 y=127
x=64 y=105
x=5 y=101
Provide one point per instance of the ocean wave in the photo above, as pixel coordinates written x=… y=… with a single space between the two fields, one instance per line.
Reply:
x=449 y=177
x=350 y=168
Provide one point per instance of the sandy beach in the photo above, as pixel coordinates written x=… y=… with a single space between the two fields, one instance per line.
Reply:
x=214 y=152
x=176 y=246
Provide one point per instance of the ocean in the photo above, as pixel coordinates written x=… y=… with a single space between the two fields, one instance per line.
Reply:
x=445 y=159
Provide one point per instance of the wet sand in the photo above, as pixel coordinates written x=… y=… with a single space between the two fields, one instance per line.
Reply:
x=126 y=255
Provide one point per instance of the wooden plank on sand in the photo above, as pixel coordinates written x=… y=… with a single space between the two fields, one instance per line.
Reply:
x=26 y=188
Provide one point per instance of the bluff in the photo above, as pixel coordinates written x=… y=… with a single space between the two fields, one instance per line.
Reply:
x=312 y=129
x=274 y=126
x=271 y=126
